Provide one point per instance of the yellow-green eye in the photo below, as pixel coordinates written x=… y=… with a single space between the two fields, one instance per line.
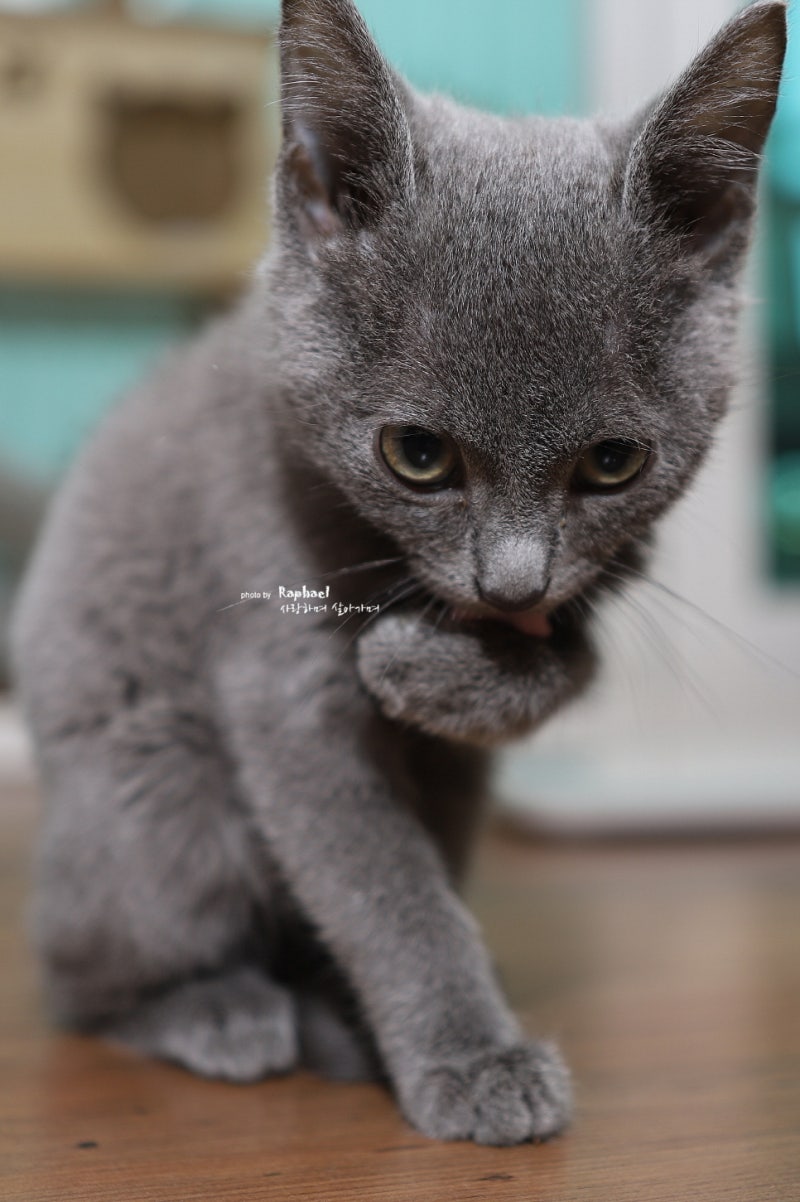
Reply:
x=608 y=465
x=419 y=457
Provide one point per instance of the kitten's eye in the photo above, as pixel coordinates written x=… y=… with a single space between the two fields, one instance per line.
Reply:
x=419 y=457
x=609 y=465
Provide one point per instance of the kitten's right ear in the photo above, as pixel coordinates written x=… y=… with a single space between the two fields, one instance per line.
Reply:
x=693 y=167
x=346 y=151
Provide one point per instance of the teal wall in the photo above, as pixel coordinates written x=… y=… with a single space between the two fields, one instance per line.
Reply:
x=63 y=357
x=507 y=55
x=783 y=316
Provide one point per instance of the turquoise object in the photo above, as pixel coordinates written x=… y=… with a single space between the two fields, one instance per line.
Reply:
x=511 y=56
x=783 y=315
x=785 y=495
x=783 y=153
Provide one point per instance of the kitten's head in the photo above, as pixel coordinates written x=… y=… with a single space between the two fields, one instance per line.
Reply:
x=510 y=340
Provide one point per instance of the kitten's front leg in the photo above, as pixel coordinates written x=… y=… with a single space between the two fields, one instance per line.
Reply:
x=326 y=787
x=479 y=682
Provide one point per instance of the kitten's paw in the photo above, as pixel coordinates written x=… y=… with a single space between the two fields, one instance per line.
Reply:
x=423 y=676
x=494 y=1097
x=386 y=656
x=238 y=1027
x=444 y=681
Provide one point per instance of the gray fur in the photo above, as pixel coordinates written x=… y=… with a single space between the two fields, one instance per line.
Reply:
x=255 y=820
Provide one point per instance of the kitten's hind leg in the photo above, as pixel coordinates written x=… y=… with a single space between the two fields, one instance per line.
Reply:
x=155 y=899
x=238 y=1026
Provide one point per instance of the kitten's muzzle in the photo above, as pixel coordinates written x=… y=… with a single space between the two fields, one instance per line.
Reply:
x=528 y=619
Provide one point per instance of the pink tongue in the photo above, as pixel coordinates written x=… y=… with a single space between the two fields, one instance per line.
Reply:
x=527 y=622
x=531 y=623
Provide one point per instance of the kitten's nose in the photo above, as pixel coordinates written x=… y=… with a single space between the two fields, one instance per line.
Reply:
x=514 y=574
x=515 y=601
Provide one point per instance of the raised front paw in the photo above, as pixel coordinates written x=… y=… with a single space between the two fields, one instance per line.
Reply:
x=481 y=684
x=493 y=1097
x=397 y=665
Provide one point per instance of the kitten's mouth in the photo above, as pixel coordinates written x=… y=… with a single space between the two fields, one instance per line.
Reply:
x=532 y=622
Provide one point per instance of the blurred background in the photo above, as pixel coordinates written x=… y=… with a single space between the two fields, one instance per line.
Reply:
x=135 y=143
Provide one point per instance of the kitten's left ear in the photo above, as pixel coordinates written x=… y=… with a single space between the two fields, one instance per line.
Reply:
x=694 y=165
x=347 y=150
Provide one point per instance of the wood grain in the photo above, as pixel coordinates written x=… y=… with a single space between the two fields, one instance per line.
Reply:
x=671 y=975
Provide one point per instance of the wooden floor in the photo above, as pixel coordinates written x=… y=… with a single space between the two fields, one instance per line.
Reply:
x=670 y=974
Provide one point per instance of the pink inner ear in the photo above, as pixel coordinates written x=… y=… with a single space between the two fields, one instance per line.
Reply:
x=316 y=211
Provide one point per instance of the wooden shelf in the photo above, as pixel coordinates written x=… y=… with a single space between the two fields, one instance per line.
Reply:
x=133 y=154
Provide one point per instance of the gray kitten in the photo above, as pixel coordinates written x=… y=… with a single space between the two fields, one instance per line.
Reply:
x=480 y=358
